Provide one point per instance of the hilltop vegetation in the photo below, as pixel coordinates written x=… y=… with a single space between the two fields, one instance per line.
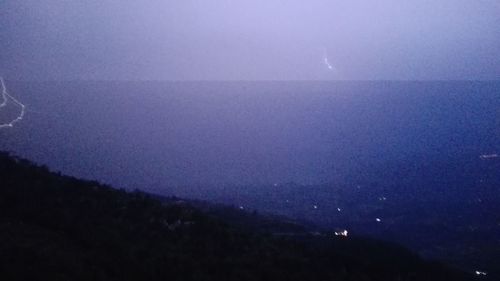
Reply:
x=55 y=227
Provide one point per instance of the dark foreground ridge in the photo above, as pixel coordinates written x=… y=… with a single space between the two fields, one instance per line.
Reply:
x=55 y=227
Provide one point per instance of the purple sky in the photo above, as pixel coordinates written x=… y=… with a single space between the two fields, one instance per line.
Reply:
x=250 y=39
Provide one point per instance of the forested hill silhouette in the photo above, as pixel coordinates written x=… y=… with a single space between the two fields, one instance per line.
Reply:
x=55 y=227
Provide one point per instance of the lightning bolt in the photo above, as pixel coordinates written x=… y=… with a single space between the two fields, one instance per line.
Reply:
x=326 y=61
x=6 y=97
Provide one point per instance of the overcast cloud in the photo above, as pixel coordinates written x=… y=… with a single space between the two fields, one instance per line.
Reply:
x=250 y=39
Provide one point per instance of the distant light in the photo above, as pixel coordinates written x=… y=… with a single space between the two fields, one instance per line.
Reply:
x=338 y=209
x=489 y=156
x=378 y=220
x=342 y=233
x=481 y=273
x=242 y=208
x=383 y=198
x=315 y=207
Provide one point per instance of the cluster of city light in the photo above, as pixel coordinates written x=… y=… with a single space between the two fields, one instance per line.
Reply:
x=342 y=233
x=6 y=97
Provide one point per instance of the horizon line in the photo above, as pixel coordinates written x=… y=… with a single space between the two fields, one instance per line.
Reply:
x=252 y=80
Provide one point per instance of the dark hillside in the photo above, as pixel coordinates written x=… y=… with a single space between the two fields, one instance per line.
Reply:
x=54 y=227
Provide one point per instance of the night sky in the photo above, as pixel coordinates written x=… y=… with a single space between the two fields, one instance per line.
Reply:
x=250 y=40
x=262 y=118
